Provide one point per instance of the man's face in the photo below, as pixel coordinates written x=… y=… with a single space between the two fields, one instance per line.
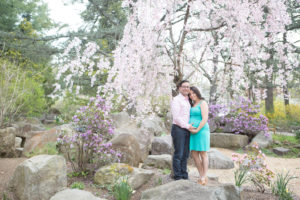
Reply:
x=184 y=89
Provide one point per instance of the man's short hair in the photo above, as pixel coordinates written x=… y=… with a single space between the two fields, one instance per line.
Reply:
x=182 y=82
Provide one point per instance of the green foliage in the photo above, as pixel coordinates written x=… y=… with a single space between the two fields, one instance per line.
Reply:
x=121 y=189
x=77 y=185
x=166 y=171
x=69 y=105
x=33 y=100
x=241 y=176
x=280 y=186
x=49 y=149
x=77 y=174
x=284 y=116
x=285 y=139
x=298 y=135
x=159 y=181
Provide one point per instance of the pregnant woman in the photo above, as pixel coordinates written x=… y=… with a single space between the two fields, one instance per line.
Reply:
x=200 y=134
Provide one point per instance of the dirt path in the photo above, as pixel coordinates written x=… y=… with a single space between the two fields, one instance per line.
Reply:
x=276 y=165
x=7 y=168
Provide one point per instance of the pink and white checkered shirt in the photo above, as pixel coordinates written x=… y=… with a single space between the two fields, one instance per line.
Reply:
x=180 y=108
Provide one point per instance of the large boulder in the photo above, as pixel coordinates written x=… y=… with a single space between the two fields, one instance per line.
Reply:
x=27 y=129
x=217 y=160
x=262 y=140
x=39 y=177
x=109 y=174
x=154 y=125
x=129 y=147
x=40 y=140
x=139 y=177
x=7 y=142
x=120 y=119
x=187 y=190
x=159 y=161
x=143 y=137
x=227 y=140
x=74 y=194
x=162 y=145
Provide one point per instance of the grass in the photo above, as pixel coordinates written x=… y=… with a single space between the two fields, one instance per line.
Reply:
x=281 y=141
x=285 y=139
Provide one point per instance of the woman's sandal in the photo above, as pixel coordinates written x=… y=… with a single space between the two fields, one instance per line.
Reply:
x=204 y=180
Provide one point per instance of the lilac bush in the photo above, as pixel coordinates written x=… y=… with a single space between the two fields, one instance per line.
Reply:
x=89 y=145
x=243 y=116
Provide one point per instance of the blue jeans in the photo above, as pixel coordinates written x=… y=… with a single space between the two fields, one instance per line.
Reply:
x=181 y=141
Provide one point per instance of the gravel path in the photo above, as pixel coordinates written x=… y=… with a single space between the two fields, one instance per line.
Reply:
x=7 y=168
x=276 y=165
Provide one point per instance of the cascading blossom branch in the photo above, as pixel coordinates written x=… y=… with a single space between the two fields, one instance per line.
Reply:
x=150 y=57
x=146 y=60
x=90 y=142
x=77 y=61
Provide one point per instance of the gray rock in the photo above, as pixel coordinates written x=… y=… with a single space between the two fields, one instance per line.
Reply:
x=297 y=146
x=261 y=140
x=281 y=151
x=7 y=142
x=162 y=145
x=212 y=177
x=26 y=129
x=212 y=125
x=228 y=128
x=154 y=125
x=159 y=161
x=168 y=121
x=187 y=190
x=74 y=194
x=128 y=145
x=120 y=119
x=217 y=160
x=39 y=177
x=139 y=177
x=227 y=140
x=18 y=142
x=108 y=174
x=143 y=137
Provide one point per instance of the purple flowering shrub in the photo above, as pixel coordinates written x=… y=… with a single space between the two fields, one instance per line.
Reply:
x=243 y=117
x=89 y=145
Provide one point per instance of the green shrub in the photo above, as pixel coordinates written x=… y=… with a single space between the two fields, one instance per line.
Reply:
x=298 y=135
x=20 y=95
x=121 y=189
x=280 y=186
x=77 y=185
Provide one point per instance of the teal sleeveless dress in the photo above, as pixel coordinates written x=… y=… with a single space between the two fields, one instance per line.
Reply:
x=199 y=141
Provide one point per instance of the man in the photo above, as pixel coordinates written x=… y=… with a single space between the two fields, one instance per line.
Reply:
x=180 y=108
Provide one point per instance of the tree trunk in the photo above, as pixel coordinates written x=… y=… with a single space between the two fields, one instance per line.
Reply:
x=269 y=101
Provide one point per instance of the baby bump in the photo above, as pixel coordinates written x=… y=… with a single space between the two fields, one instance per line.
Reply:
x=195 y=122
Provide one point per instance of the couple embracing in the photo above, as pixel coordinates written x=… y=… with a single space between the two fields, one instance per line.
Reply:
x=190 y=131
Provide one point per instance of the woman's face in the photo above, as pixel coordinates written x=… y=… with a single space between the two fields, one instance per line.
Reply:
x=193 y=96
